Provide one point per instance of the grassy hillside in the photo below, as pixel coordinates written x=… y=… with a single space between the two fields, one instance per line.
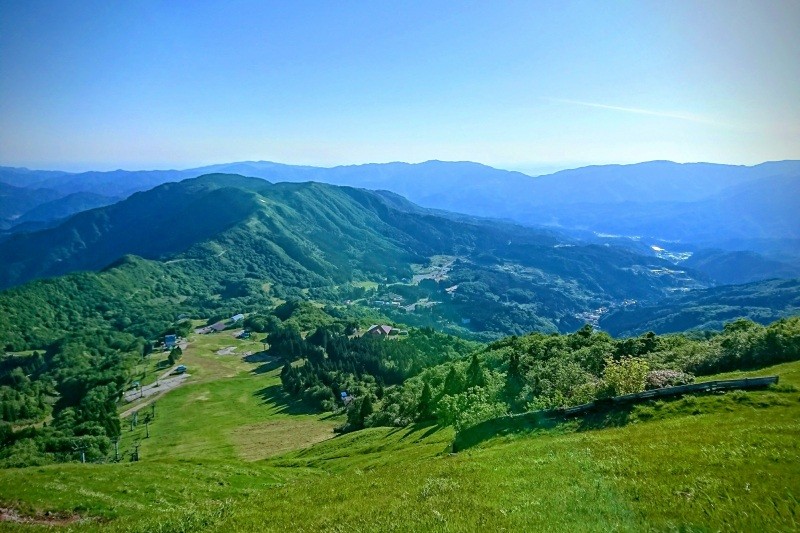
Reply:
x=726 y=462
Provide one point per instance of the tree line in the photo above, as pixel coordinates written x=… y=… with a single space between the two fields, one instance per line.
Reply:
x=521 y=373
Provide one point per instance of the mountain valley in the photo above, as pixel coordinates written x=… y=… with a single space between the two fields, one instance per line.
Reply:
x=329 y=336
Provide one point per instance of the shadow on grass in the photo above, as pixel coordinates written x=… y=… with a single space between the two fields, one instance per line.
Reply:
x=431 y=425
x=258 y=357
x=285 y=403
x=608 y=414
x=269 y=362
x=602 y=417
x=267 y=367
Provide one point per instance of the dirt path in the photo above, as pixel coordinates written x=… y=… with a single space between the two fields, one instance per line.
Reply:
x=163 y=384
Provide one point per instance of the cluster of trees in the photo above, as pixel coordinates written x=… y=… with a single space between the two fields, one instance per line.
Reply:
x=78 y=380
x=335 y=362
x=540 y=371
x=68 y=346
x=333 y=358
x=23 y=399
x=537 y=371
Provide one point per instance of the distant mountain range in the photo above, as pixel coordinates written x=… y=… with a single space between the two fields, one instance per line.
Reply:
x=235 y=235
x=699 y=205
x=720 y=224
x=743 y=221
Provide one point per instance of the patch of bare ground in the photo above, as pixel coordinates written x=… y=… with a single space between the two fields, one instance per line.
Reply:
x=7 y=514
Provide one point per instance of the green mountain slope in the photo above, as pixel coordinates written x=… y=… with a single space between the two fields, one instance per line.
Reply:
x=156 y=224
x=137 y=296
x=700 y=204
x=235 y=234
x=761 y=302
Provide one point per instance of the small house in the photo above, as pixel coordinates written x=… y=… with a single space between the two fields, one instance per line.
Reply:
x=219 y=326
x=170 y=341
x=381 y=330
x=237 y=318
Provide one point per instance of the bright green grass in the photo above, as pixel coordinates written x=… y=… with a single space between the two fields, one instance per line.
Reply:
x=228 y=408
x=713 y=463
x=727 y=462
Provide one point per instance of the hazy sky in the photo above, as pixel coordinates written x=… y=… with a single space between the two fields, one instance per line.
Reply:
x=529 y=85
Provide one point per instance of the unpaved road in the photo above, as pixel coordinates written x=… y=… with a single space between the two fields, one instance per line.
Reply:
x=165 y=382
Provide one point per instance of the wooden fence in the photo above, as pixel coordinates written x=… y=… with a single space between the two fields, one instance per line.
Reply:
x=667 y=392
x=522 y=421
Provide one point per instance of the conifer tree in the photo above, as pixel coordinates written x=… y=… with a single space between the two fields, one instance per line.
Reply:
x=425 y=406
x=475 y=374
x=514 y=379
x=453 y=383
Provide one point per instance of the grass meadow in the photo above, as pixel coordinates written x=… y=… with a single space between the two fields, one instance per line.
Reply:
x=229 y=452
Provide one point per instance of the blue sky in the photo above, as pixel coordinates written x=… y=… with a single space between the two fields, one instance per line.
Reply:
x=531 y=86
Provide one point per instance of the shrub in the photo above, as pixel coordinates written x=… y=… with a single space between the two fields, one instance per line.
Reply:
x=469 y=408
x=626 y=376
x=658 y=379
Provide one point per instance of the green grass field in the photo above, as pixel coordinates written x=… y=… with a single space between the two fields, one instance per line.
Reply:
x=229 y=452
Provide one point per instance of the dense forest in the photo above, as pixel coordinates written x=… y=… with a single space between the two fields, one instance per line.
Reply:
x=69 y=344
x=533 y=372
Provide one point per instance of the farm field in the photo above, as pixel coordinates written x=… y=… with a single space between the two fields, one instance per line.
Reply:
x=228 y=452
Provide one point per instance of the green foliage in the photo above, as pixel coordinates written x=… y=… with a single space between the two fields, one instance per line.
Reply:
x=475 y=374
x=709 y=309
x=541 y=372
x=174 y=354
x=262 y=323
x=425 y=405
x=468 y=408
x=625 y=376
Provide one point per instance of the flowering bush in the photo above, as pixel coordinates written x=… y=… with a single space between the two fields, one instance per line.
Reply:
x=658 y=379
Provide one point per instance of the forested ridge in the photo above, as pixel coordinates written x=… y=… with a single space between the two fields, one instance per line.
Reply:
x=517 y=374
x=245 y=237
x=312 y=266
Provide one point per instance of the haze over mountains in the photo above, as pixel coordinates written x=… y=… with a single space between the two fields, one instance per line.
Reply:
x=237 y=233
x=708 y=205
x=742 y=220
